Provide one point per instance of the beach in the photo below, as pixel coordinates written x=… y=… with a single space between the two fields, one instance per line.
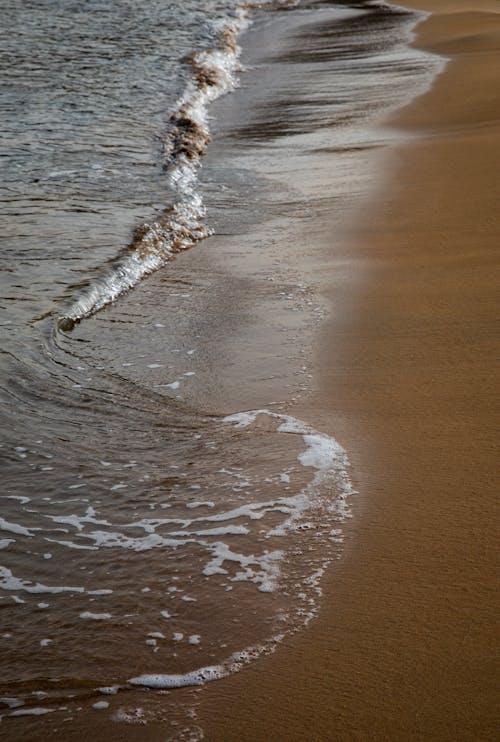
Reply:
x=308 y=395
x=404 y=647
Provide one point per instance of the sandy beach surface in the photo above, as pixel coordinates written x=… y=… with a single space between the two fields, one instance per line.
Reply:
x=405 y=647
x=373 y=319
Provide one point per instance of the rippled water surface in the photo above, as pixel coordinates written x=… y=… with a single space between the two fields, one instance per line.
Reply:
x=144 y=540
x=86 y=92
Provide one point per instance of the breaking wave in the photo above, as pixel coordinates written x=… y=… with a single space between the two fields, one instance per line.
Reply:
x=181 y=225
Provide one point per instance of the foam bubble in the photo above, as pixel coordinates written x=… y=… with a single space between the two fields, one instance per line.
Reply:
x=110 y=690
x=95 y=616
x=173 y=385
x=11 y=702
x=9 y=582
x=196 y=677
x=263 y=570
x=36 y=711
x=100 y=705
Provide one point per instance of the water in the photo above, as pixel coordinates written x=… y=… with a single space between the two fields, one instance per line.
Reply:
x=88 y=89
x=146 y=540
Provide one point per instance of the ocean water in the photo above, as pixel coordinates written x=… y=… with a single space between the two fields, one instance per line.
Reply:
x=146 y=541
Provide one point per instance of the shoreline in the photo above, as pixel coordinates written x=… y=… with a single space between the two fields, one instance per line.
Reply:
x=403 y=647
x=367 y=338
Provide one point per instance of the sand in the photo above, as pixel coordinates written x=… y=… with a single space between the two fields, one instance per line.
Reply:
x=403 y=374
x=404 y=648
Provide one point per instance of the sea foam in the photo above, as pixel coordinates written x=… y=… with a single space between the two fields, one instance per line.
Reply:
x=182 y=224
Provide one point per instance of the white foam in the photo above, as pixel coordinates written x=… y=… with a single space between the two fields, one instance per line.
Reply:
x=241 y=419
x=115 y=539
x=266 y=574
x=11 y=702
x=184 y=225
x=253 y=510
x=196 y=677
x=218 y=531
x=21 y=498
x=16 y=528
x=37 y=711
x=78 y=521
x=110 y=690
x=71 y=544
x=322 y=453
x=206 y=674
x=95 y=616
x=9 y=582
x=100 y=705
x=129 y=717
x=222 y=535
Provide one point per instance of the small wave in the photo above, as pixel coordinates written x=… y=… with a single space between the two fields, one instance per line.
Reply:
x=201 y=569
x=331 y=466
x=180 y=226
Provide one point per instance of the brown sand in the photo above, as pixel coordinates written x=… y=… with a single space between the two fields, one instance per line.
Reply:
x=404 y=648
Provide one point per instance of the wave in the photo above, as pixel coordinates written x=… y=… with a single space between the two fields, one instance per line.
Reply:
x=181 y=225
x=269 y=532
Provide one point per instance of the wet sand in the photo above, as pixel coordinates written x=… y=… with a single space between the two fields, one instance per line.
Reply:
x=403 y=374
x=405 y=647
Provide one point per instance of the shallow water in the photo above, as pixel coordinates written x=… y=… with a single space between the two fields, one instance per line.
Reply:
x=144 y=538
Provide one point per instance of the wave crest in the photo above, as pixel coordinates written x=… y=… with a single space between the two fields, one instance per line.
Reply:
x=181 y=225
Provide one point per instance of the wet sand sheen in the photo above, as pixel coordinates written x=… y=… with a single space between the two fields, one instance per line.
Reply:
x=405 y=644
x=233 y=323
x=406 y=616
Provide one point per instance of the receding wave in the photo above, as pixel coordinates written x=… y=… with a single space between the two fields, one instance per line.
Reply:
x=261 y=529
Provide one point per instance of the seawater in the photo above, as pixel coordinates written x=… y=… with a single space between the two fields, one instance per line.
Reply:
x=88 y=91
x=146 y=542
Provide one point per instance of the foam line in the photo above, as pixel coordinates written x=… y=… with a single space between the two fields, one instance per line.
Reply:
x=181 y=225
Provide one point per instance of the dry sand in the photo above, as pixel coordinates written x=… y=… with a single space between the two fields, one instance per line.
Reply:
x=404 y=648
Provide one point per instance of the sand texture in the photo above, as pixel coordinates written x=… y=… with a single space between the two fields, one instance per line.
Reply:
x=405 y=647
